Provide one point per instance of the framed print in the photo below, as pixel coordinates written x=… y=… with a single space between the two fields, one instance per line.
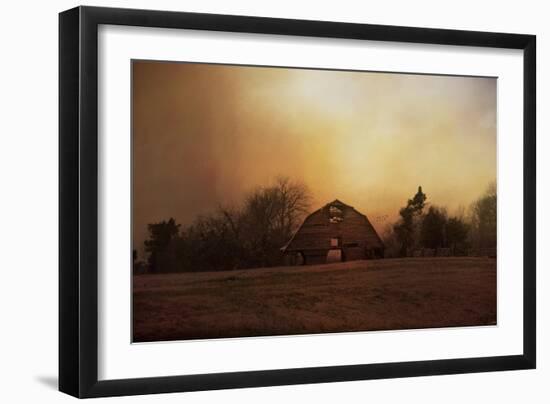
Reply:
x=250 y=201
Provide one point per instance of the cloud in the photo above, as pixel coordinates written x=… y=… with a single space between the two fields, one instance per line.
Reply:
x=205 y=134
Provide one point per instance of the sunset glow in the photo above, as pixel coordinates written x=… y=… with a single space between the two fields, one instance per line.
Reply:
x=203 y=135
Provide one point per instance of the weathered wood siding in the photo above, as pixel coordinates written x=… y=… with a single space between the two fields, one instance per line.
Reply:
x=357 y=238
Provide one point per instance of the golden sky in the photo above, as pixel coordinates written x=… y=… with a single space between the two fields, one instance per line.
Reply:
x=203 y=135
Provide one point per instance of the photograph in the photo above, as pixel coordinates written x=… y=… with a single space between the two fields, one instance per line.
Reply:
x=273 y=201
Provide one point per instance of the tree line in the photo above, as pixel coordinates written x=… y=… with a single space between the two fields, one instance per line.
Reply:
x=422 y=225
x=248 y=236
x=251 y=235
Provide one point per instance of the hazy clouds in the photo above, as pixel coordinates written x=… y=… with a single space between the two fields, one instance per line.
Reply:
x=205 y=134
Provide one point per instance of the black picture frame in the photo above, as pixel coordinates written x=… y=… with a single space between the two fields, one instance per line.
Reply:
x=78 y=201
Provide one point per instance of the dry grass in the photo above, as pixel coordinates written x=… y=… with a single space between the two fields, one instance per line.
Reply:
x=352 y=296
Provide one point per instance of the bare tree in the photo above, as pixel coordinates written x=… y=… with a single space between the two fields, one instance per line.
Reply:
x=483 y=217
x=247 y=236
x=294 y=200
x=271 y=215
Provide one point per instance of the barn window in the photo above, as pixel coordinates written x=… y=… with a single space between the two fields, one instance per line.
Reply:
x=334 y=242
x=335 y=214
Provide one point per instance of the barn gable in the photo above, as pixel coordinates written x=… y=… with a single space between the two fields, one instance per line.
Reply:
x=335 y=226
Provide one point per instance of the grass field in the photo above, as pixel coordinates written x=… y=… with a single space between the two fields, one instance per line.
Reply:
x=350 y=296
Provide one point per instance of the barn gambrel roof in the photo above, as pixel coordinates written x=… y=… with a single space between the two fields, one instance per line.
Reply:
x=335 y=219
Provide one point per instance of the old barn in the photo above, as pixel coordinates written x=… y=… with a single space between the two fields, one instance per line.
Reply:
x=336 y=232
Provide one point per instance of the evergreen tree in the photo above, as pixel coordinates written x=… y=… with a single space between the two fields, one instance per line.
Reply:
x=405 y=228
